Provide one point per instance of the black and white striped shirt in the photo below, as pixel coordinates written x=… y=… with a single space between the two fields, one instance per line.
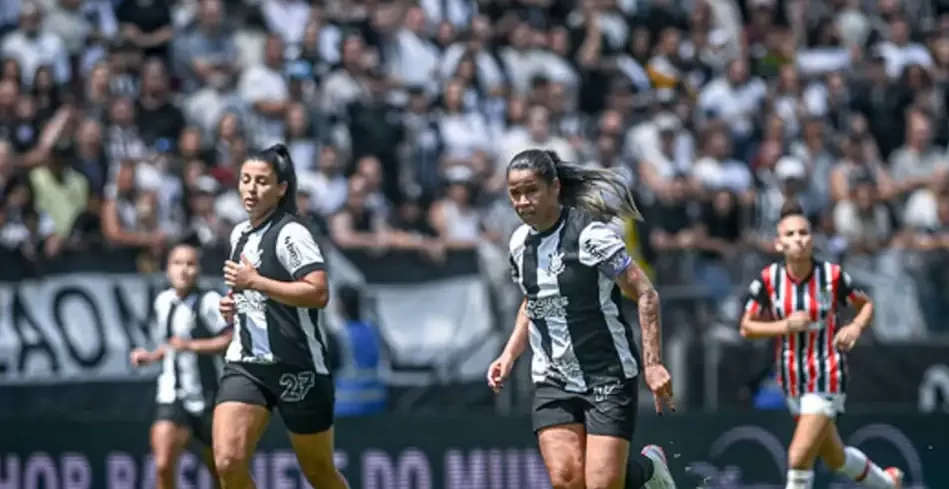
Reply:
x=186 y=376
x=267 y=331
x=578 y=335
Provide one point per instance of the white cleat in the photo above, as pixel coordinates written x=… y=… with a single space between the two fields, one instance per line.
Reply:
x=661 y=477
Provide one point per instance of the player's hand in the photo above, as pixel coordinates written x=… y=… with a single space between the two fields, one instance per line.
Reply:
x=139 y=357
x=798 y=321
x=847 y=337
x=241 y=275
x=660 y=383
x=499 y=371
x=179 y=344
x=228 y=307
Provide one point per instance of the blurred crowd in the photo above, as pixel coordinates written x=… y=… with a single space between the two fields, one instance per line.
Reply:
x=123 y=122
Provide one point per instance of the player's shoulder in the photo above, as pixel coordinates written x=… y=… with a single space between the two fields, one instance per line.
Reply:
x=210 y=296
x=164 y=298
x=519 y=237
x=293 y=230
x=239 y=228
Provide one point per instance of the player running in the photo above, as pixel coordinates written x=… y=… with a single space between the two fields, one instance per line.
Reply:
x=796 y=302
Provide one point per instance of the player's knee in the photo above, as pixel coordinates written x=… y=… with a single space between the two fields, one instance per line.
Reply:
x=799 y=458
x=231 y=464
x=164 y=463
x=566 y=476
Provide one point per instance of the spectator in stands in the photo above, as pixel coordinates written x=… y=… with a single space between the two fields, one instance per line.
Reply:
x=329 y=184
x=914 y=164
x=265 y=91
x=25 y=228
x=155 y=116
x=33 y=46
x=61 y=191
x=125 y=212
x=454 y=217
x=358 y=224
x=865 y=223
x=147 y=25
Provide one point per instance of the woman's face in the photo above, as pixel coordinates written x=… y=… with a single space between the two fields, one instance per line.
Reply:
x=10 y=71
x=190 y=142
x=43 y=79
x=466 y=69
x=532 y=197
x=193 y=170
x=296 y=121
x=723 y=202
x=227 y=129
x=458 y=193
x=125 y=178
x=19 y=196
x=794 y=237
x=453 y=93
x=259 y=189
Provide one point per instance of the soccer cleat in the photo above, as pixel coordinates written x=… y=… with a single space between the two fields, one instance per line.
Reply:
x=896 y=475
x=661 y=477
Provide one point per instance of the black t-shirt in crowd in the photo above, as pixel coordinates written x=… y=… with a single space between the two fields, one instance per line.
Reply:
x=149 y=16
x=724 y=226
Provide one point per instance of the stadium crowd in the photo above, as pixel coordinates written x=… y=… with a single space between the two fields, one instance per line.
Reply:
x=122 y=121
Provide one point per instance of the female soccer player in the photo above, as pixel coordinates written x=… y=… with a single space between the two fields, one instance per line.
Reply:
x=278 y=358
x=572 y=266
x=190 y=330
x=803 y=296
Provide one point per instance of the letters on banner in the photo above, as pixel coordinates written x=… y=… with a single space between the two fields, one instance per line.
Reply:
x=75 y=327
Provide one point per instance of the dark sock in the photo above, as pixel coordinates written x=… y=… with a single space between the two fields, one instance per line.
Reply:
x=638 y=471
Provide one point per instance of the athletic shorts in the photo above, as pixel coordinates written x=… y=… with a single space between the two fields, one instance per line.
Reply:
x=303 y=398
x=608 y=410
x=830 y=405
x=198 y=423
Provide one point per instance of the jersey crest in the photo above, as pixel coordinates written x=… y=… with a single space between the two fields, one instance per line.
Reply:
x=556 y=266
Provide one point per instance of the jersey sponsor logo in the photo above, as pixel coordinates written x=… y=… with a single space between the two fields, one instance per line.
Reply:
x=296 y=386
x=547 y=307
x=295 y=259
x=249 y=301
x=556 y=265
x=598 y=254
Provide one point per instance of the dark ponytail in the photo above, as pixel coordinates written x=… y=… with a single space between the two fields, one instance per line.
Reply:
x=599 y=191
x=279 y=159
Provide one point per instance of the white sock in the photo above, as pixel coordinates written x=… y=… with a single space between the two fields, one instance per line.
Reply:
x=858 y=468
x=800 y=479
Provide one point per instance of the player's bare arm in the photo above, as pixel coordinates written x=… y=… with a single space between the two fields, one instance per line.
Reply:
x=635 y=283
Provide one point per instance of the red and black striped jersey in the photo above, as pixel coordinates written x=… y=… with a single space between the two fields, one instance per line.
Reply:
x=807 y=362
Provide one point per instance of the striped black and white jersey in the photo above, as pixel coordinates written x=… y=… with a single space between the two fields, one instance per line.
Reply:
x=578 y=335
x=267 y=331
x=186 y=376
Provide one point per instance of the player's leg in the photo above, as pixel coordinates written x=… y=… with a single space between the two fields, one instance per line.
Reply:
x=306 y=406
x=315 y=453
x=201 y=426
x=853 y=464
x=169 y=438
x=240 y=418
x=610 y=422
x=815 y=416
x=558 y=421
